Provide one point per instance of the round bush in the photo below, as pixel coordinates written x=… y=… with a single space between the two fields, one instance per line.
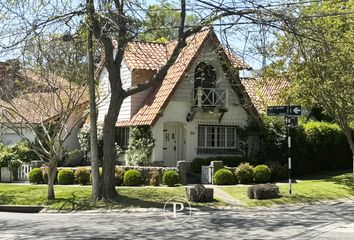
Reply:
x=119 y=176
x=35 y=176
x=244 y=173
x=133 y=178
x=82 y=176
x=262 y=174
x=66 y=176
x=170 y=178
x=224 y=177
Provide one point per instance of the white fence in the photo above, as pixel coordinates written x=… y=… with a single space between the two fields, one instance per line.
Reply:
x=23 y=172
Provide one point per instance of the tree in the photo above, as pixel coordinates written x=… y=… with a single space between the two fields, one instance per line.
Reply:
x=161 y=23
x=114 y=24
x=96 y=193
x=50 y=116
x=319 y=60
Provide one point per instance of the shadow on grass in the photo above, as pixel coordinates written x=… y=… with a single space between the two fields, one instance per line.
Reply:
x=79 y=204
x=323 y=175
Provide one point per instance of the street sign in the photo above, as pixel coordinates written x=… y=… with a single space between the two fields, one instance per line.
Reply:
x=290 y=113
x=277 y=110
x=283 y=110
x=295 y=110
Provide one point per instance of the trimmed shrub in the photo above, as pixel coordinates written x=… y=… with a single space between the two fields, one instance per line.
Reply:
x=35 y=176
x=199 y=193
x=82 y=176
x=261 y=174
x=278 y=171
x=66 y=176
x=155 y=178
x=224 y=177
x=263 y=191
x=119 y=176
x=244 y=173
x=170 y=178
x=133 y=178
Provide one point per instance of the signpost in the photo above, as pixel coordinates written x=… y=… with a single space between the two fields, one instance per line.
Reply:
x=290 y=114
x=284 y=111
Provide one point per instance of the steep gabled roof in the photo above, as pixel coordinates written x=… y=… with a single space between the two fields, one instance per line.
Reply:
x=156 y=102
x=158 y=99
x=265 y=91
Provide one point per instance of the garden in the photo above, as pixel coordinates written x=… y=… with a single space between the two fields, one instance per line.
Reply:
x=317 y=147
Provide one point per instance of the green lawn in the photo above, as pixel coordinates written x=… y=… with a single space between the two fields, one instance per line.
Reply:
x=78 y=197
x=304 y=191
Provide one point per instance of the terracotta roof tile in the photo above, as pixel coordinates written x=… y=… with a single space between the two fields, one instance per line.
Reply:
x=150 y=56
x=265 y=92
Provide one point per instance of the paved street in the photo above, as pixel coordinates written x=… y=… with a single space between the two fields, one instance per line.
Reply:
x=326 y=221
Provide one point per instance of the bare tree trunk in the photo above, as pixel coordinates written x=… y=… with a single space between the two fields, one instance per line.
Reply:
x=52 y=173
x=108 y=185
x=348 y=134
x=93 y=112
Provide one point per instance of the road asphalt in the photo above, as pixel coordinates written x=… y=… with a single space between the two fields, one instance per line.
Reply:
x=320 y=221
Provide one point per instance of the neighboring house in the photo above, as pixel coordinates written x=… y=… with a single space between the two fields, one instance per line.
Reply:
x=266 y=92
x=200 y=109
x=30 y=100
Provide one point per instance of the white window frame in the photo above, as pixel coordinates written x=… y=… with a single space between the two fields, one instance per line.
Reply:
x=215 y=139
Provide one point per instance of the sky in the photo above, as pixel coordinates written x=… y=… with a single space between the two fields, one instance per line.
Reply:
x=236 y=38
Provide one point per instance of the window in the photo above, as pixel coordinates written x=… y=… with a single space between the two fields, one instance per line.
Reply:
x=205 y=76
x=122 y=137
x=213 y=139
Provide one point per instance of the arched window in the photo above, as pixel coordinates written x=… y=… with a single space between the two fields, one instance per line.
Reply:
x=204 y=76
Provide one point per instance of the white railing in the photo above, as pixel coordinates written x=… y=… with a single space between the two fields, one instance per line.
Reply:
x=210 y=97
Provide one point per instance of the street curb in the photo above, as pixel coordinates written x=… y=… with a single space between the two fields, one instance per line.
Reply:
x=20 y=209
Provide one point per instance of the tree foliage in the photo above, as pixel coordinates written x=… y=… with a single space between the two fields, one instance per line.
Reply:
x=319 y=59
x=140 y=146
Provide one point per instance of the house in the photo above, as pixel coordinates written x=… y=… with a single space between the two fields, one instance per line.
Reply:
x=265 y=92
x=29 y=99
x=200 y=109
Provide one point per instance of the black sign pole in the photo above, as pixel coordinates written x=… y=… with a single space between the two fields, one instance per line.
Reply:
x=288 y=122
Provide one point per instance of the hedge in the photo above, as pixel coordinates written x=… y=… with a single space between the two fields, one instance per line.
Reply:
x=316 y=146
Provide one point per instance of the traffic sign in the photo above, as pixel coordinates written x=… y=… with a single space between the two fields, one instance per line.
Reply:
x=283 y=110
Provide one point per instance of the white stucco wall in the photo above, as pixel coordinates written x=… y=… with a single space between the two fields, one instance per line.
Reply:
x=180 y=105
x=9 y=137
x=104 y=91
